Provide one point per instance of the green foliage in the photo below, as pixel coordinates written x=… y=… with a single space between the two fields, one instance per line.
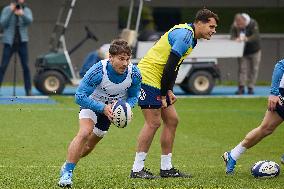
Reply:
x=34 y=141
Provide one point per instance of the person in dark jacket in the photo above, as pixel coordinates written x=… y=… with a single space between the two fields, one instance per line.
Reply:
x=15 y=19
x=246 y=29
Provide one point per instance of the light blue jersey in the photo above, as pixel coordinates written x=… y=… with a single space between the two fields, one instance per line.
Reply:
x=93 y=79
x=181 y=40
x=277 y=84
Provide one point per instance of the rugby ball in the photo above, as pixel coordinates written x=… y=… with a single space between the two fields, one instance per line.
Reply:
x=265 y=169
x=122 y=114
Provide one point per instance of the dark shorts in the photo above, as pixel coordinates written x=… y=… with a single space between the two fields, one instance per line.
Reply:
x=280 y=110
x=101 y=121
x=150 y=97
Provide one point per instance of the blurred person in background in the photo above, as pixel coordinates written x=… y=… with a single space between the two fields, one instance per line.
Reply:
x=94 y=57
x=246 y=29
x=15 y=19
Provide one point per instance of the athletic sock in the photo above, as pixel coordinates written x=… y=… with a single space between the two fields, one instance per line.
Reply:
x=237 y=151
x=166 y=162
x=138 y=164
x=70 y=167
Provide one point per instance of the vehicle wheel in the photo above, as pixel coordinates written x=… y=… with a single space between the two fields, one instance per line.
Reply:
x=50 y=82
x=36 y=83
x=199 y=83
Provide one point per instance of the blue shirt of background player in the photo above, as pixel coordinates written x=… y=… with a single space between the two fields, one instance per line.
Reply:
x=181 y=40
x=89 y=61
x=93 y=78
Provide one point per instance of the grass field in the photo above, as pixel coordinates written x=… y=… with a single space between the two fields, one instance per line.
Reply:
x=34 y=140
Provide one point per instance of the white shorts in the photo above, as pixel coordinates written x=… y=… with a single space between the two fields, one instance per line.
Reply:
x=101 y=122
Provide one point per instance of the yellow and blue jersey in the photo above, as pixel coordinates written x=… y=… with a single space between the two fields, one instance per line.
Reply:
x=179 y=40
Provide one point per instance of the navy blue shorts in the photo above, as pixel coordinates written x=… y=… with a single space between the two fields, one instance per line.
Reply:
x=150 y=97
x=101 y=121
x=280 y=110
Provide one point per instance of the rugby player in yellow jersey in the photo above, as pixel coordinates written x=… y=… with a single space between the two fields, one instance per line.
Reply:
x=159 y=69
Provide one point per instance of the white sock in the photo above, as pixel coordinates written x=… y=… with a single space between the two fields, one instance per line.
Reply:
x=166 y=162
x=138 y=164
x=237 y=151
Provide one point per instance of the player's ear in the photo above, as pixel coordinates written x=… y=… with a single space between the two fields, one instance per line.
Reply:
x=110 y=57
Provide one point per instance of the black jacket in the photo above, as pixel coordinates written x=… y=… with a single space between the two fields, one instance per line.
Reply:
x=252 y=45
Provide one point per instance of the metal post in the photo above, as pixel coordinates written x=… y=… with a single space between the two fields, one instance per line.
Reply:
x=130 y=14
x=15 y=72
x=139 y=16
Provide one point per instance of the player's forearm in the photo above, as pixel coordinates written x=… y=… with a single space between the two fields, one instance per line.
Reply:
x=87 y=102
x=169 y=73
x=132 y=101
x=85 y=89
x=133 y=94
x=276 y=77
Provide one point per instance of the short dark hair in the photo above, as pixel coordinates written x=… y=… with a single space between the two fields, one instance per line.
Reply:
x=203 y=15
x=119 y=46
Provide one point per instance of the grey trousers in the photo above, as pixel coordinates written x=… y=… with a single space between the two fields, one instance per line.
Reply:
x=248 y=69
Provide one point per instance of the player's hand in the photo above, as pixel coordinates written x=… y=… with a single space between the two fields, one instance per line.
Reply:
x=108 y=111
x=272 y=101
x=172 y=97
x=164 y=101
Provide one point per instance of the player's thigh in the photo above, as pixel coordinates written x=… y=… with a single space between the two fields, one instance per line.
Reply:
x=94 y=122
x=152 y=116
x=271 y=120
x=86 y=126
x=169 y=115
x=87 y=119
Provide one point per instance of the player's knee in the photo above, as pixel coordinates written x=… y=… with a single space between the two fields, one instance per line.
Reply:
x=154 y=124
x=266 y=130
x=173 y=122
x=84 y=135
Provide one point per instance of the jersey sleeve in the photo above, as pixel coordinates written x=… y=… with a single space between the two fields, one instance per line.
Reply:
x=180 y=40
x=134 y=89
x=90 y=81
x=276 y=78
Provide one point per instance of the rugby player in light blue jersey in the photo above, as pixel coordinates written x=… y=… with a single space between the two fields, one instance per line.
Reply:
x=105 y=82
x=274 y=116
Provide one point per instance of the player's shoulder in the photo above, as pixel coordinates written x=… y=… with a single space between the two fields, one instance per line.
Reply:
x=181 y=32
x=95 y=71
x=97 y=67
x=281 y=61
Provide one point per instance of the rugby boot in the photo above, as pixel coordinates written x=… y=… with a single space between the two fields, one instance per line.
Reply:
x=230 y=162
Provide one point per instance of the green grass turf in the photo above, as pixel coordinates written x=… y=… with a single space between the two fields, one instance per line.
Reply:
x=34 y=141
